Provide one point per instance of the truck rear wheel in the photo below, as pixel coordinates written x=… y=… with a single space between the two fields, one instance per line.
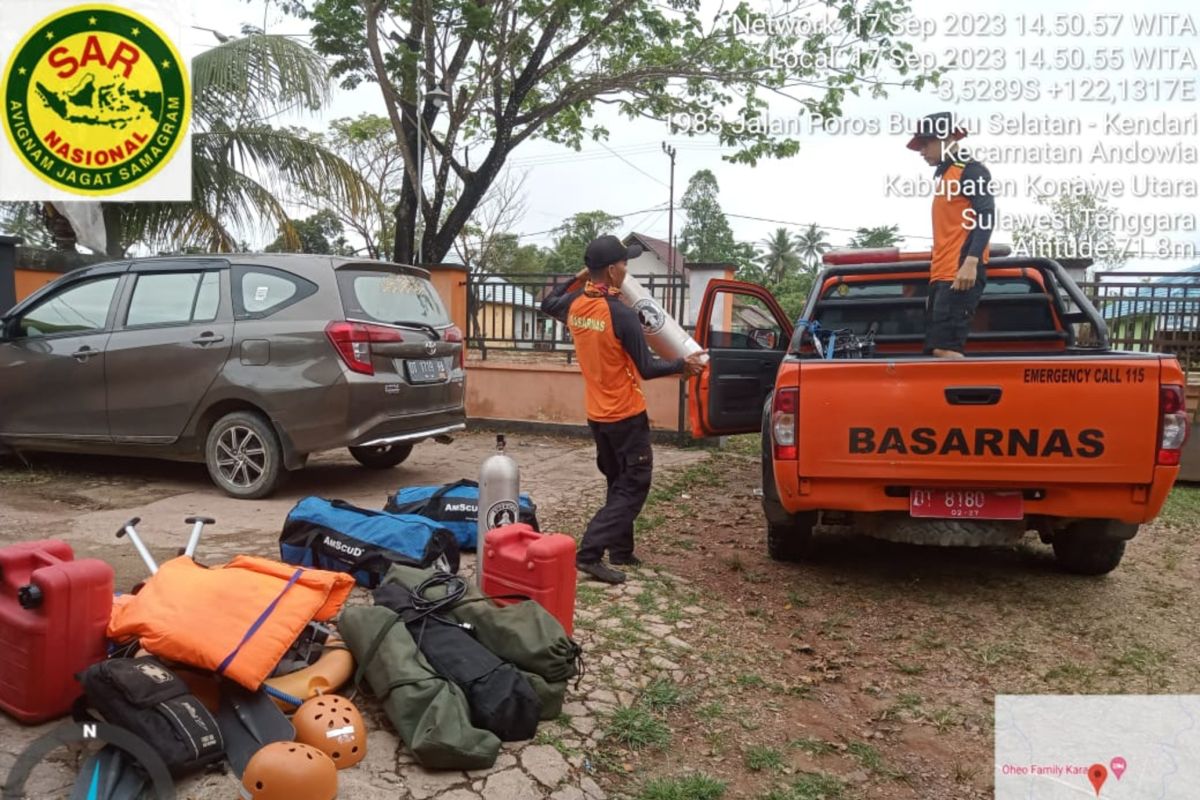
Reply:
x=1092 y=546
x=788 y=535
x=791 y=541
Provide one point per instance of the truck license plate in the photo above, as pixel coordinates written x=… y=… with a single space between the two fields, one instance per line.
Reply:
x=965 y=504
x=426 y=370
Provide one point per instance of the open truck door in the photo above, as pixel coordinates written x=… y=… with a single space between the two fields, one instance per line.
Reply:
x=746 y=333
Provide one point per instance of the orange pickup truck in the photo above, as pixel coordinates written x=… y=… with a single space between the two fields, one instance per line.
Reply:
x=1041 y=427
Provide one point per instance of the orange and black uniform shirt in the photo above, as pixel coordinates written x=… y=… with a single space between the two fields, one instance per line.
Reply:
x=961 y=184
x=610 y=346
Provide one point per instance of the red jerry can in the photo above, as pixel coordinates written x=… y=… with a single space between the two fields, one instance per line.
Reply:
x=54 y=611
x=519 y=560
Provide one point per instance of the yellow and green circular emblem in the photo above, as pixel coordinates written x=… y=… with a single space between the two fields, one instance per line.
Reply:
x=96 y=100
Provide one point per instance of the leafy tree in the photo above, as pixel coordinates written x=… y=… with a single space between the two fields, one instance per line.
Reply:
x=321 y=234
x=782 y=258
x=573 y=237
x=880 y=236
x=813 y=243
x=365 y=142
x=1084 y=235
x=706 y=235
x=241 y=164
x=517 y=70
x=25 y=220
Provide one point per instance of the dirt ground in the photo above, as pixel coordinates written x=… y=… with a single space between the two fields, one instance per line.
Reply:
x=868 y=671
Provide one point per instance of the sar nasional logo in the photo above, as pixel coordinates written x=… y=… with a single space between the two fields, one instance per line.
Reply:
x=96 y=100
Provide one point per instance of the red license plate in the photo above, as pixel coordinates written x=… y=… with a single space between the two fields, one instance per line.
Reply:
x=965 y=504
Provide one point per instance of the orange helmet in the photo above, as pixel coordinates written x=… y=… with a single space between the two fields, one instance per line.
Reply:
x=334 y=726
x=289 y=771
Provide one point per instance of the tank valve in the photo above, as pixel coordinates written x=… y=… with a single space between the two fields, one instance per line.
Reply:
x=30 y=596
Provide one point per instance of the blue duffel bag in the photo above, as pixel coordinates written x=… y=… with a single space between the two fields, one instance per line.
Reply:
x=456 y=505
x=334 y=535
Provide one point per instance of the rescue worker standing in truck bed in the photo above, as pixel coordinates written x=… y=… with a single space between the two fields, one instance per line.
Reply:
x=612 y=352
x=963 y=217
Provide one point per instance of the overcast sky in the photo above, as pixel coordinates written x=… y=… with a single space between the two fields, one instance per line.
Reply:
x=837 y=181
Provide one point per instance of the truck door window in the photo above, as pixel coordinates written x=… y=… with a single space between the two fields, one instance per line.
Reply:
x=742 y=322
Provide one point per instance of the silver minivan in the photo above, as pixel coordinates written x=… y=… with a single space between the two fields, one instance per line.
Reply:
x=248 y=363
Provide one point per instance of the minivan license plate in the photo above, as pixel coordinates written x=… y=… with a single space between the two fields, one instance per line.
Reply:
x=965 y=504
x=426 y=370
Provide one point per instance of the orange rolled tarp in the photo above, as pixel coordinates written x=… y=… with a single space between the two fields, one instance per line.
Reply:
x=237 y=620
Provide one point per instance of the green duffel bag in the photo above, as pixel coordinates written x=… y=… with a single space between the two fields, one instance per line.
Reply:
x=552 y=695
x=429 y=712
x=524 y=633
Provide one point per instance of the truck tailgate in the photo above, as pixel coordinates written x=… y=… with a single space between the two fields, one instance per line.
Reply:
x=1004 y=422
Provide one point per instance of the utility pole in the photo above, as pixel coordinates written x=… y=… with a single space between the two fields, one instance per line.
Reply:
x=670 y=151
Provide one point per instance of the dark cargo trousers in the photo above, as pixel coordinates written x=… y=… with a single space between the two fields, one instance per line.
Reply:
x=624 y=455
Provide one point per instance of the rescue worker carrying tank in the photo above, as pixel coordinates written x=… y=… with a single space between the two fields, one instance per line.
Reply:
x=963 y=216
x=610 y=346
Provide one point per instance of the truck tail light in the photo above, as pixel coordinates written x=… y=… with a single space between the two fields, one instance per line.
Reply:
x=352 y=340
x=1173 y=428
x=454 y=334
x=784 y=410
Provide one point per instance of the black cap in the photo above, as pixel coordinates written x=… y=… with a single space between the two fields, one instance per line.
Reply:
x=936 y=126
x=606 y=250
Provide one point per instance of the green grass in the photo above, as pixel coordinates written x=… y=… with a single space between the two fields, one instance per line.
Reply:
x=661 y=693
x=637 y=729
x=587 y=595
x=688 y=787
x=810 y=786
x=711 y=711
x=761 y=757
x=1182 y=506
x=907 y=668
x=814 y=746
x=750 y=680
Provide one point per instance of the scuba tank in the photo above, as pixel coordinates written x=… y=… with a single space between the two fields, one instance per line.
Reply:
x=499 y=493
x=664 y=335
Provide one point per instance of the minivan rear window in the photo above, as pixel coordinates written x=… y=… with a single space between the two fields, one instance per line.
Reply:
x=390 y=297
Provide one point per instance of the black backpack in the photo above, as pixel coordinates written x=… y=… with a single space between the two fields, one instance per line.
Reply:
x=147 y=699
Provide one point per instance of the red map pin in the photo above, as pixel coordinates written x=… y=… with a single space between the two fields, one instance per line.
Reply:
x=1097 y=774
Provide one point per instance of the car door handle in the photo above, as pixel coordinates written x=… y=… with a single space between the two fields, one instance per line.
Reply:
x=208 y=338
x=83 y=354
x=973 y=395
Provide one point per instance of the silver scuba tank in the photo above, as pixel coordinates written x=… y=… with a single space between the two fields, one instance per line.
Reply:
x=664 y=335
x=499 y=497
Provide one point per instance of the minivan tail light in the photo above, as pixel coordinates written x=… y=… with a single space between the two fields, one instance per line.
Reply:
x=784 y=408
x=352 y=340
x=455 y=334
x=1173 y=426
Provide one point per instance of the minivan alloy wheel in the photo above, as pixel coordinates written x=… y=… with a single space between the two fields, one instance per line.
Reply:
x=241 y=457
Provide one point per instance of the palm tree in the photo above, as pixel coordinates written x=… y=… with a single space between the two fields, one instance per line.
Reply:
x=813 y=244
x=244 y=169
x=781 y=258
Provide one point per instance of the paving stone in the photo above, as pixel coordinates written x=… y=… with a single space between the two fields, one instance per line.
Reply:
x=511 y=784
x=503 y=761
x=546 y=764
x=601 y=708
x=626 y=698
x=675 y=641
x=603 y=696
x=694 y=611
x=609 y=623
x=453 y=794
x=381 y=754
x=356 y=784
x=658 y=631
x=575 y=709
x=592 y=789
x=633 y=590
x=568 y=793
x=423 y=784
x=662 y=663
x=584 y=725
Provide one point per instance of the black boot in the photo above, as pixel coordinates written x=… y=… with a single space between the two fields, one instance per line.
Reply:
x=601 y=572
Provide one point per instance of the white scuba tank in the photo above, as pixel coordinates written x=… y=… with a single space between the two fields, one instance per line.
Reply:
x=664 y=335
x=499 y=498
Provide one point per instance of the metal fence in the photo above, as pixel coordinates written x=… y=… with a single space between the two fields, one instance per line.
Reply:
x=503 y=311
x=1150 y=311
